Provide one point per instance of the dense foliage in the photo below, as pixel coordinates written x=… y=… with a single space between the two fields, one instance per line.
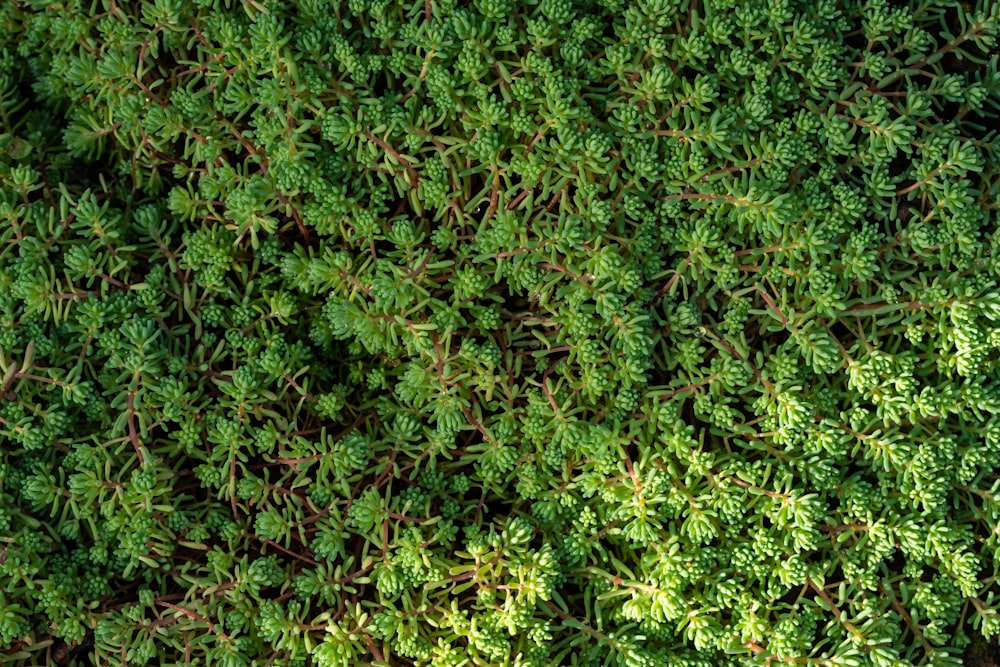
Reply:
x=569 y=332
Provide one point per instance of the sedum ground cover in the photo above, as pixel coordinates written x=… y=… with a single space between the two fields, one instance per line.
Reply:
x=591 y=333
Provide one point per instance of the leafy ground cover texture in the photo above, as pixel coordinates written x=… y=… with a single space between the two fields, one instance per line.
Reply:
x=598 y=333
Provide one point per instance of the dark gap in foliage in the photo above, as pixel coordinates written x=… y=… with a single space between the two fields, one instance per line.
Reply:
x=896 y=560
x=832 y=502
x=632 y=449
x=78 y=654
x=982 y=653
x=834 y=577
x=842 y=161
x=854 y=471
x=401 y=209
x=469 y=497
x=774 y=338
x=228 y=157
x=495 y=506
x=791 y=597
x=751 y=330
x=380 y=83
x=479 y=185
x=570 y=588
x=512 y=303
x=24 y=88
x=899 y=164
x=979 y=120
x=293 y=232
x=855 y=41
x=382 y=246
x=949 y=110
x=841 y=333
x=953 y=64
x=473 y=437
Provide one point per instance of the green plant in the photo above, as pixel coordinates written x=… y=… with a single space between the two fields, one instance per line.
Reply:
x=540 y=333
